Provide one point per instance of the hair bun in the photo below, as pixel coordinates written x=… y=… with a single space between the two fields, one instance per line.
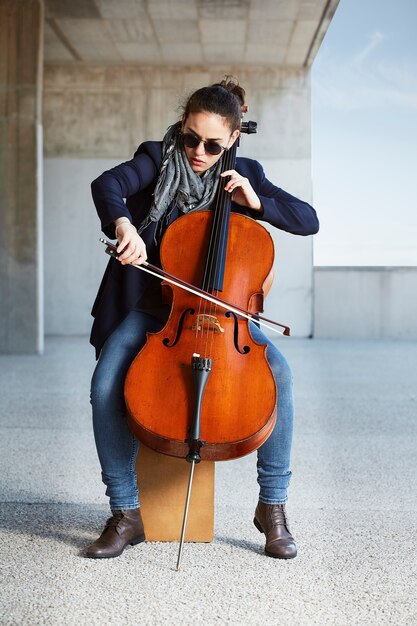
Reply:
x=232 y=85
x=225 y=99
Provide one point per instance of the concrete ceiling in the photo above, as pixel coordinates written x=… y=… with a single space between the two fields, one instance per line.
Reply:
x=186 y=32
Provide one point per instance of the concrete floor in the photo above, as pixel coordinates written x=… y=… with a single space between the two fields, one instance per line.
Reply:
x=353 y=504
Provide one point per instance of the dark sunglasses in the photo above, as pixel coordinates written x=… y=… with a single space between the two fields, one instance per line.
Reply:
x=211 y=147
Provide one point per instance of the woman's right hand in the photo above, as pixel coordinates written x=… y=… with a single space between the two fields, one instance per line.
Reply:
x=132 y=245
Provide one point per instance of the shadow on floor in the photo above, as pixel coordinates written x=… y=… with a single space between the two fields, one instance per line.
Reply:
x=240 y=543
x=74 y=524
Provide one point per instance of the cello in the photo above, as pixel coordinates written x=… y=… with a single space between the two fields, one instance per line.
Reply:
x=201 y=388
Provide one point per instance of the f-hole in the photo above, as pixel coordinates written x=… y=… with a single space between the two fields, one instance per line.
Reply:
x=245 y=349
x=179 y=329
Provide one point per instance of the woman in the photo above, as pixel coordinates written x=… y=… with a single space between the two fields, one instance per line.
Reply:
x=163 y=181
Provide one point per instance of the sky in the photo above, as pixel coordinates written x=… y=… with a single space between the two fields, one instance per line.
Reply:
x=364 y=135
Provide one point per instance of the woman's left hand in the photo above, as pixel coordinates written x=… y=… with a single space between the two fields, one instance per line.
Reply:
x=241 y=190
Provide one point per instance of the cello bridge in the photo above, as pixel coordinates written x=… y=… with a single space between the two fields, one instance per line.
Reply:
x=207 y=322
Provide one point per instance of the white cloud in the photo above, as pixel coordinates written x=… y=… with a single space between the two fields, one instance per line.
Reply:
x=365 y=81
x=375 y=39
x=365 y=145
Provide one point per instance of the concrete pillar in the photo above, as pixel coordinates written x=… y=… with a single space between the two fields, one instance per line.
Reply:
x=21 y=61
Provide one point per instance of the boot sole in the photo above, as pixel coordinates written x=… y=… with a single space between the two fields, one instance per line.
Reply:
x=134 y=542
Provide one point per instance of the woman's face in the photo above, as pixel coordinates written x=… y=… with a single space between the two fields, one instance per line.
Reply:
x=207 y=127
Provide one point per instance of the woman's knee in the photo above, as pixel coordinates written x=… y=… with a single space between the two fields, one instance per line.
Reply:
x=107 y=381
x=117 y=354
x=280 y=368
x=102 y=388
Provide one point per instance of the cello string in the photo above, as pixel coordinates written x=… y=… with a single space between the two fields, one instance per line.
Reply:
x=208 y=269
x=202 y=305
x=214 y=256
x=202 y=302
x=221 y=230
x=217 y=243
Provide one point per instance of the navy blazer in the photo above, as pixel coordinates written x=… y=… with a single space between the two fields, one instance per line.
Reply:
x=122 y=285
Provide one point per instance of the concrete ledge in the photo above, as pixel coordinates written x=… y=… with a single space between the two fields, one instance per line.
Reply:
x=365 y=302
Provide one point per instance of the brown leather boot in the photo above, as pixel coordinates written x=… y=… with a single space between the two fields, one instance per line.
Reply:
x=123 y=528
x=271 y=520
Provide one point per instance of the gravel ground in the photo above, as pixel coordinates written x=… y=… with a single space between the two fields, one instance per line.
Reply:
x=353 y=505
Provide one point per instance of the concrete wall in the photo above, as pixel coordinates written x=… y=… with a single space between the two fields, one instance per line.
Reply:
x=21 y=69
x=365 y=302
x=94 y=117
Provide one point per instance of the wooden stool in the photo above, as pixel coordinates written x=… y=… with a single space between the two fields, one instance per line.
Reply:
x=163 y=482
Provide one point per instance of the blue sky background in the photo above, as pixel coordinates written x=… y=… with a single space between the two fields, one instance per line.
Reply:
x=364 y=120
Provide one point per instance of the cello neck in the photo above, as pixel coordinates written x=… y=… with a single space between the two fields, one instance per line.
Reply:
x=216 y=256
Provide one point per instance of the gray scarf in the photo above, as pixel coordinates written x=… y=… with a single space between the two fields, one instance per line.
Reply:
x=177 y=181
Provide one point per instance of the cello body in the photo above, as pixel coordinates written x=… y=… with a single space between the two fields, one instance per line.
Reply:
x=238 y=408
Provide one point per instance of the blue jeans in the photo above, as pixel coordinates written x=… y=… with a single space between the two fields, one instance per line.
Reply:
x=117 y=447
